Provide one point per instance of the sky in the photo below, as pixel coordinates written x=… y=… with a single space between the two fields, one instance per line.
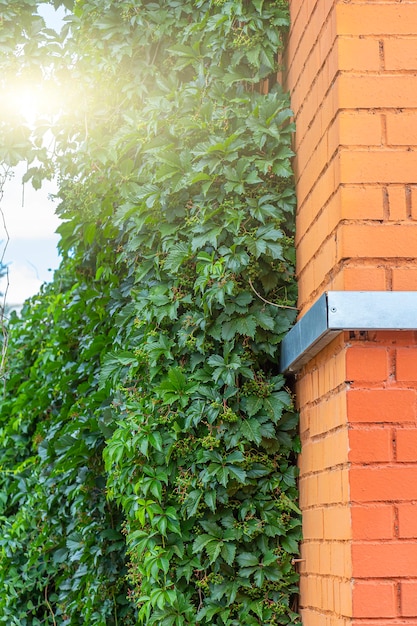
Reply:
x=30 y=253
x=29 y=247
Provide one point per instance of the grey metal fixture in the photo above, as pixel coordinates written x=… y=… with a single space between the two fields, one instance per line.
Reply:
x=336 y=311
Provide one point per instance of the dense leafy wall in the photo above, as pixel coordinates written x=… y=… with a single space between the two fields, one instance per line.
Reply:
x=147 y=439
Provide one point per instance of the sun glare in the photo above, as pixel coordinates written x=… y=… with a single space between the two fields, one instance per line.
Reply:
x=31 y=103
x=27 y=103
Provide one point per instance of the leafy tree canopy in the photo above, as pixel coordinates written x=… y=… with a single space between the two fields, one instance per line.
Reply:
x=147 y=439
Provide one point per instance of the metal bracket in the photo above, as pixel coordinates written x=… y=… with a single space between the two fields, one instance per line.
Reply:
x=336 y=311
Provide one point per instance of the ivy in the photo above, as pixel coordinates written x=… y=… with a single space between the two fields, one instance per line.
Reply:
x=148 y=441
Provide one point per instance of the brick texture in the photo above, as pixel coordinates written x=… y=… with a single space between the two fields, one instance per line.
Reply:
x=352 y=74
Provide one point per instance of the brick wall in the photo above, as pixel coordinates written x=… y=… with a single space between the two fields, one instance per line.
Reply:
x=381 y=410
x=326 y=568
x=353 y=81
x=352 y=73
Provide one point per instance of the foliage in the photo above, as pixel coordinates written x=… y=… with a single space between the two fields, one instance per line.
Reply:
x=144 y=412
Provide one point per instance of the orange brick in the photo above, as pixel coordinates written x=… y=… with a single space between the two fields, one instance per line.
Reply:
x=342 y=600
x=320 y=191
x=311 y=555
x=313 y=524
x=374 y=599
x=310 y=241
x=402 y=129
x=324 y=453
x=413 y=201
x=306 y=56
x=379 y=484
x=409 y=598
x=309 y=135
x=304 y=423
x=371 y=522
x=395 y=338
x=303 y=388
x=407 y=521
x=310 y=589
x=366 y=364
x=370 y=446
x=358 y=128
x=308 y=486
x=400 y=53
x=406 y=445
x=328 y=414
x=327 y=598
x=397 y=205
x=317 y=268
x=325 y=558
x=333 y=487
x=341 y=561
x=363 y=19
x=337 y=522
x=315 y=115
x=322 y=186
x=356 y=53
x=377 y=166
x=363 y=279
x=384 y=241
x=404 y=279
x=384 y=560
x=381 y=405
x=361 y=202
x=363 y=91
x=406 y=364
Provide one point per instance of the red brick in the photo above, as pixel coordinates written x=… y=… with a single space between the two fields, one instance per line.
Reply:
x=370 y=446
x=409 y=598
x=381 y=405
x=406 y=365
x=384 y=560
x=372 y=522
x=407 y=521
x=366 y=364
x=406 y=445
x=374 y=599
x=379 y=484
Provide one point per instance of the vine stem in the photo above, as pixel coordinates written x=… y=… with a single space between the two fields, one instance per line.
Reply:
x=49 y=606
x=279 y=306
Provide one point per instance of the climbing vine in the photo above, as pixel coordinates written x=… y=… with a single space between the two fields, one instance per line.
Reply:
x=148 y=441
